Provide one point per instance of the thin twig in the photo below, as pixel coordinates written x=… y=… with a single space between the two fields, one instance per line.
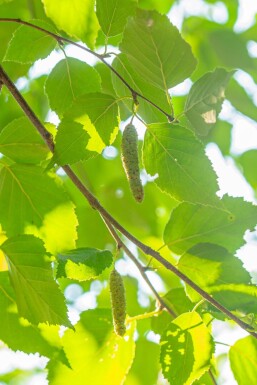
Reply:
x=61 y=40
x=140 y=267
x=212 y=377
x=96 y=205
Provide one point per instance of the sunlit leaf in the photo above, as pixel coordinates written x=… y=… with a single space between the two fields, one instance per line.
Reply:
x=83 y=263
x=184 y=171
x=243 y=360
x=77 y=19
x=108 y=363
x=248 y=161
x=37 y=294
x=186 y=349
x=190 y=224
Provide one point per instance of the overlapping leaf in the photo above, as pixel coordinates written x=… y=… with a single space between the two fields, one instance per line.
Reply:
x=37 y=294
x=184 y=171
x=27 y=338
x=156 y=50
x=186 y=349
x=70 y=143
x=103 y=112
x=205 y=99
x=83 y=264
x=77 y=19
x=27 y=194
x=28 y=45
x=20 y=141
x=190 y=224
x=108 y=363
x=70 y=79
x=112 y=15
x=243 y=360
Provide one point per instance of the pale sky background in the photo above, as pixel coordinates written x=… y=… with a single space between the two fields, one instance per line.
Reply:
x=230 y=181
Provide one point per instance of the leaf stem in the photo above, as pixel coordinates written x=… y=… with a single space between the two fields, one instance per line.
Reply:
x=108 y=217
x=143 y=316
x=61 y=40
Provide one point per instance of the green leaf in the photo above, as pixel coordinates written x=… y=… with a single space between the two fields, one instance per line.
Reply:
x=28 y=44
x=160 y=6
x=149 y=113
x=248 y=161
x=70 y=79
x=190 y=224
x=28 y=339
x=236 y=297
x=98 y=322
x=176 y=155
x=211 y=265
x=103 y=112
x=112 y=15
x=83 y=264
x=70 y=143
x=37 y=294
x=21 y=142
x=221 y=135
x=77 y=19
x=27 y=194
x=243 y=360
x=186 y=349
x=205 y=99
x=157 y=51
x=241 y=100
x=108 y=363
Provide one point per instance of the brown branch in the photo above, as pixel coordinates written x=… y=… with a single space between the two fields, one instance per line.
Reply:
x=61 y=40
x=96 y=205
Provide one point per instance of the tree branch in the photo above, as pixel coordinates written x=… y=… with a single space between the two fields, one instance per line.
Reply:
x=96 y=205
x=62 y=40
x=140 y=267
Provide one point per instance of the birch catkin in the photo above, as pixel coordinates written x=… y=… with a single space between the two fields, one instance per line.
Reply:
x=129 y=154
x=118 y=302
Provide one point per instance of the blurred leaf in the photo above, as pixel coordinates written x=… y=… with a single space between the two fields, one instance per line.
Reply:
x=191 y=224
x=243 y=360
x=77 y=19
x=160 y=6
x=231 y=49
x=239 y=98
x=83 y=264
x=38 y=296
x=186 y=349
x=205 y=99
x=22 y=143
x=248 y=161
x=174 y=153
x=98 y=322
x=28 y=45
x=221 y=135
x=147 y=44
x=70 y=79
x=112 y=15
x=108 y=363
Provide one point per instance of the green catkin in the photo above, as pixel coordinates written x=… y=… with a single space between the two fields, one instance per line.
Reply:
x=129 y=156
x=118 y=302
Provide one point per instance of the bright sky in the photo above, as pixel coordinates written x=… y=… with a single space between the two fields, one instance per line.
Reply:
x=230 y=180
